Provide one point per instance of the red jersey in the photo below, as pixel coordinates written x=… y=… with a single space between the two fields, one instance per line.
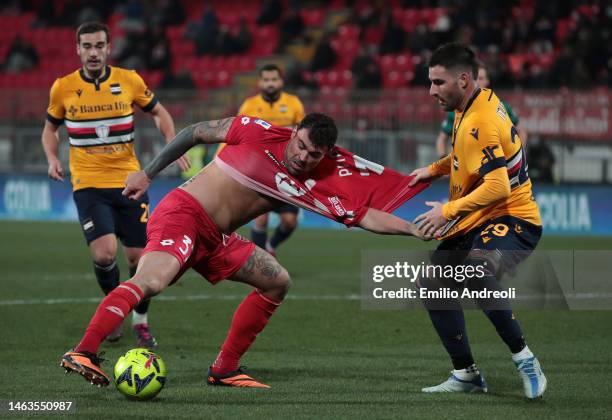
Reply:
x=342 y=187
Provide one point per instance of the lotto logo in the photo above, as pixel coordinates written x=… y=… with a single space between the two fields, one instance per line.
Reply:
x=167 y=242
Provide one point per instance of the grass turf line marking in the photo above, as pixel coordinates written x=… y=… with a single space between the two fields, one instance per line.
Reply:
x=62 y=301
x=347 y=297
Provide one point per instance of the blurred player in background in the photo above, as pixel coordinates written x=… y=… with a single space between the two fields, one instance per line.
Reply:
x=284 y=110
x=446 y=128
x=490 y=210
x=95 y=102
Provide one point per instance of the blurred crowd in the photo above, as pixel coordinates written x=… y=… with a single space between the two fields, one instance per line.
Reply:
x=532 y=44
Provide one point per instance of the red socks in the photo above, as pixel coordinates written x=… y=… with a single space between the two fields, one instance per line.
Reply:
x=250 y=318
x=110 y=313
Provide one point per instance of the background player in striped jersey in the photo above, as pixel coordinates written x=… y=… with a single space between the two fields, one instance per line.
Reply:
x=284 y=110
x=446 y=128
x=95 y=102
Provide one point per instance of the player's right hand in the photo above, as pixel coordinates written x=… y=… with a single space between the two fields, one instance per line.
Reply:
x=420 y=174
x=136 y=185
x=55 y=170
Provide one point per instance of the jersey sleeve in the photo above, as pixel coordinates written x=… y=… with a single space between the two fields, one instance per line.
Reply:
x=143 y=96
x=483 y=149
x=447 y=124
x=441 y=166
x=495 y=185
x=55 y=110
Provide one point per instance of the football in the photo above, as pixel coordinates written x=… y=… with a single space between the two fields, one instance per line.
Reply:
x=140 y=374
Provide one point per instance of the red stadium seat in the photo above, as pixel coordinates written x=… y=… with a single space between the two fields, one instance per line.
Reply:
x=374 y=35
x=312 y=17
x=348 y=32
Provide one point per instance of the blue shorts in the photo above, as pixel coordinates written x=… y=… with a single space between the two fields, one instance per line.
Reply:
x=504 y=233
x=106 y=210
x=287 y=208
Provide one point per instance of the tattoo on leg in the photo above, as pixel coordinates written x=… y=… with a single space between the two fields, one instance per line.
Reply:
x=260 y=262
x=248 y=266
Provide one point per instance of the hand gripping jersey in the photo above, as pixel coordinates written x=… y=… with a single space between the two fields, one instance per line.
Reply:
x=100 y=121
x=484 y=139
x=342 y=187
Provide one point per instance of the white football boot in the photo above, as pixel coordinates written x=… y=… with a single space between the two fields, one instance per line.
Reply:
x=475 y=384
x=534 y=381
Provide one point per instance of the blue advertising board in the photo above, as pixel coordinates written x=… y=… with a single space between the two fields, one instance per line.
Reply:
x=566 y=210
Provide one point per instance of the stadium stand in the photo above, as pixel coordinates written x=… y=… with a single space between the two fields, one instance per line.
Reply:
x=218 y=46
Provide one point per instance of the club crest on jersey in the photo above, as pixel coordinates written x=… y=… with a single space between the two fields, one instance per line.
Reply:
x=72 y=111
x=283 y=108
x=115 y=88
x=288 y=186
x=245 y=120
x=102 y=131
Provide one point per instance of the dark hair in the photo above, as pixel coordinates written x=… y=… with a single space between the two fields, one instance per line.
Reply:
x=271 y=67
x=455 y=56
x=322 y=129
x=92 y=28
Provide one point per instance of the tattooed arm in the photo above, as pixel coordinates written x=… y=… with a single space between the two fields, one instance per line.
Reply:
x=205 y=132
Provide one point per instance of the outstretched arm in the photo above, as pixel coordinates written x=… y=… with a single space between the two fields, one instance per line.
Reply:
x=205 y=132
x=387 y=224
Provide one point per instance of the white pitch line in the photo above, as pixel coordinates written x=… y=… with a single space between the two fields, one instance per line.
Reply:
x=62 y=301
x=346 y=297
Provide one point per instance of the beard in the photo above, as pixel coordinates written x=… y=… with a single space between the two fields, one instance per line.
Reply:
x=271 y=95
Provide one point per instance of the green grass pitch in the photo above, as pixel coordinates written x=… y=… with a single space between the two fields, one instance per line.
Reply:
x=322 y=354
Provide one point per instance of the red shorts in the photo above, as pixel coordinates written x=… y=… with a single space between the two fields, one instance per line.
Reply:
x=179 y=226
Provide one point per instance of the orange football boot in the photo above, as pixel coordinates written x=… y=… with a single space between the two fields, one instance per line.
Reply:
x=87 y=365
x=236 y=378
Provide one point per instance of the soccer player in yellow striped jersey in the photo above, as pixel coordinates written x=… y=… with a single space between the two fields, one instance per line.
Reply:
x=96 y=105
x=491 y=219
x=285 y=110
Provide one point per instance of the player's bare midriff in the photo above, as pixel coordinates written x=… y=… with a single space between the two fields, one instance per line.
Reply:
x=228 y=203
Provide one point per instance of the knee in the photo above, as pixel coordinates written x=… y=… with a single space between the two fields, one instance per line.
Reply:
x=261 y=222
x=103 y=258
x=289 y=223
x=150 y=285
x=285 y=282
x=280 y=286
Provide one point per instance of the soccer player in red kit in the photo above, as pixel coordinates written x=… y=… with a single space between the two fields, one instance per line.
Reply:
x=193 y=226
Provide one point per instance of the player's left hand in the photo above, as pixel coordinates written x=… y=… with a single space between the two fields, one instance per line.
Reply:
x=430 y=223
x=183 y=163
